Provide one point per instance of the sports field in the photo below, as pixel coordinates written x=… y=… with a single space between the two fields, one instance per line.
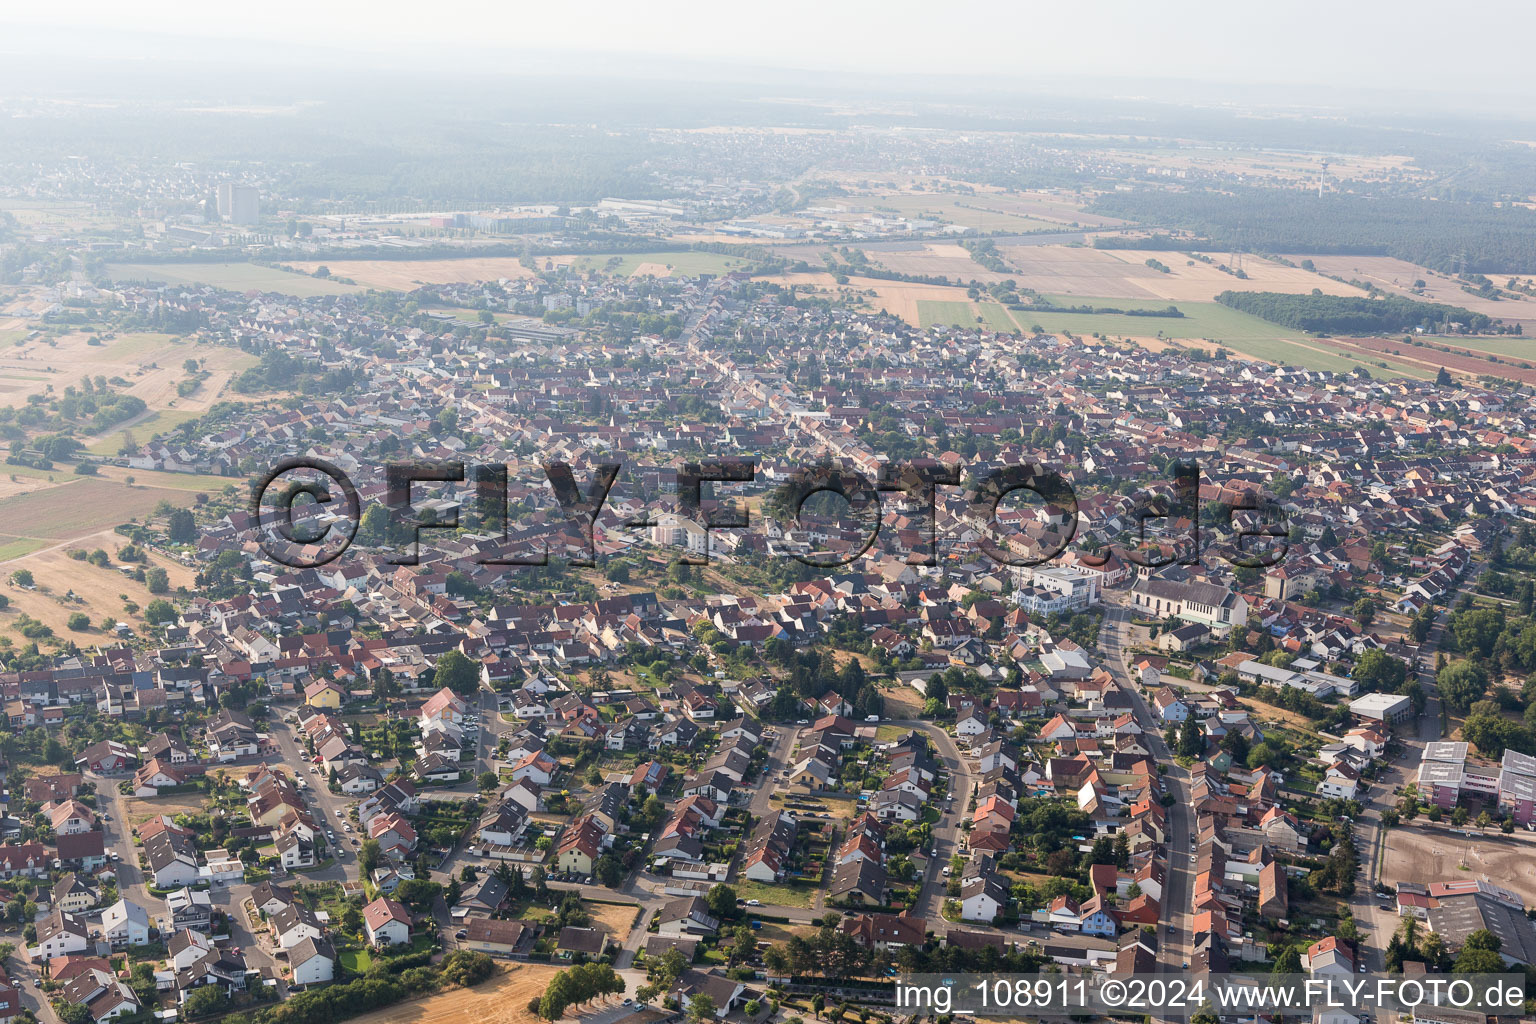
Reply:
x=238 y=277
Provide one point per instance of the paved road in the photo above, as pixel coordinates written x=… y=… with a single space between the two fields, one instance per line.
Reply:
x=1179 y=878
x=1381 y=793
x=947 y=834
x=132 y=884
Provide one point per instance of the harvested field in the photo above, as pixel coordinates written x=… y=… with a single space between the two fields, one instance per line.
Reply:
x=1422 y=853
x=1398 y=276
x=408 y=275
x=1076 y=271
x=898 y=298
x=501 y=999
x=1193 y=280
x=936 y=260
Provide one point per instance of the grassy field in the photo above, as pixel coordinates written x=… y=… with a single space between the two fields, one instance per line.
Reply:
x=683 y=264
x=356 y=960
x=932 y=312
x=1508 y=348
x=76 y=506
x=16 y=548
x=408 y=275
x=160 y=422
x=777 y=895
x=126 y=347
x=237 y=277
x=995 y=316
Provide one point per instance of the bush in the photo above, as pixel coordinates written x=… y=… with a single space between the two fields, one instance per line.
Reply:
x=80 y=622
x=467 y=967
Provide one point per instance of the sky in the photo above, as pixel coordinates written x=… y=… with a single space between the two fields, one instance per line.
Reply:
x=1408 y=46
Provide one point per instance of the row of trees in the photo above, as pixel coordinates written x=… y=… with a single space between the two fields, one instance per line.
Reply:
x=574 y=986
x=1352 y=314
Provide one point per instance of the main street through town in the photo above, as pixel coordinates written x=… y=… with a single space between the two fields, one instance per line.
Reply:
x=1179 y=880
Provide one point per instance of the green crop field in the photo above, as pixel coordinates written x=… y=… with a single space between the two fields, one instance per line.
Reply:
x=933 y=312
x=75 y=507
x=1505 y=348
x=238 y=277
x=10 y=549
x=996 y=316
x=1210 y=321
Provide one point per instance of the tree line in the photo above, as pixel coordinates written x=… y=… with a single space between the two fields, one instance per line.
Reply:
x=1442 y=235
x=1353 y=314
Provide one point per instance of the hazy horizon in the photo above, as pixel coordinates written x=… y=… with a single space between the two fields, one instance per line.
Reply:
x=1328 y=57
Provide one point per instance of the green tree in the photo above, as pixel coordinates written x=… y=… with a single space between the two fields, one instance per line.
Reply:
x=456 y=672
x=181 y=527
x=159 y=610
x=701 y=1009
x=1461 y=683
x=1191 y=738
x=721 y=902
x=1377 y=671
